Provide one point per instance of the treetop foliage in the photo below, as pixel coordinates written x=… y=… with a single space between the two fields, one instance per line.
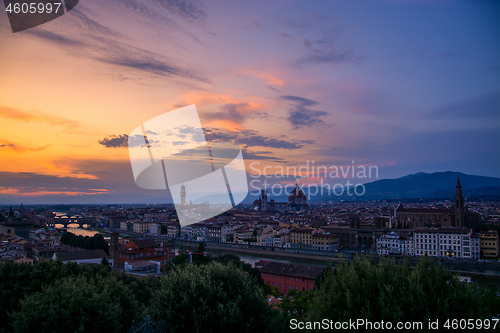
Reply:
x=85 y=242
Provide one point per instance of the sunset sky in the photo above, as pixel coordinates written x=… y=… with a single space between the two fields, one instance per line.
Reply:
x=408 y=86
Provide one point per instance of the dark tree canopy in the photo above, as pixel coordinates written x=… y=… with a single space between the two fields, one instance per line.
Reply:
x=78 y=304
x=384 y=291
x=212 y=298
x=95 y=242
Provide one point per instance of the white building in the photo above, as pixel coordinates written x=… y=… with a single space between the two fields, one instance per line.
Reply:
x=475 y=248
x=281 y=239
x=395 y=243
x=443 y=242
x=187 y=232
x=155 y=228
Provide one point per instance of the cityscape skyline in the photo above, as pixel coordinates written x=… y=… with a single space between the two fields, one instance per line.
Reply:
x=406 y=86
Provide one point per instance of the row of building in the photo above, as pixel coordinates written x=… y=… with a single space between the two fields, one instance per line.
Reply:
x=441 y=242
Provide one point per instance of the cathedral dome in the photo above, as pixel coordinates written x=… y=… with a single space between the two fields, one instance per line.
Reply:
x=296 y=194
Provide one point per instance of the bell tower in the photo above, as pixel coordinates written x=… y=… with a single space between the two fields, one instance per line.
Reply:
x=183 y=195
x=459 y=206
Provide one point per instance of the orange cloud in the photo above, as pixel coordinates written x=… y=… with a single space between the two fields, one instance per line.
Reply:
x=20 y=149
x=67 y=170
x=224 y=110
x=269 y=78
x=41 y=192
x=15 y=114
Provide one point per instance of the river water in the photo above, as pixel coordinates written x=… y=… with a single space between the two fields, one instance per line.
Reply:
x=481 y=280
x=74 y=228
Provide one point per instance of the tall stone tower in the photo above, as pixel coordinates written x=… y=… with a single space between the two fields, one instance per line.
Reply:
x=113 y=249
x=263 y=201
x=459 y=206
x=183 y=195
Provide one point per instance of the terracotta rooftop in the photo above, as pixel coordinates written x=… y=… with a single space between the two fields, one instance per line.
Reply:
x=301 y=271
x=144 y=242
x=81 y=255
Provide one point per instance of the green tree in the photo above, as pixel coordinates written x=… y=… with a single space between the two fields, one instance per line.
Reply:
x=384 y=291
x=213 y=298
x=295 y=305
x=491 y=298
x=78 y=304
x=181 y=259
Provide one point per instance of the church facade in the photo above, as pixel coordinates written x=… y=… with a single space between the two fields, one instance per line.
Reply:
x=459 y=216
x=297 y=201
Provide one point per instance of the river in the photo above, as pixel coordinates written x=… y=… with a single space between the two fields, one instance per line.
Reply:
x=482 y=281
x=74 y=228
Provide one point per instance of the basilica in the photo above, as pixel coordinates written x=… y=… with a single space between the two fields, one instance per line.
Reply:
x=459 y=216
x=297 y=201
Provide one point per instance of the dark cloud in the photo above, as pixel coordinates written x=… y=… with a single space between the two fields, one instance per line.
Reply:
x=103 y=45
x=321 y=37
x=299 y=115
x=189 y=10
x=332 y=57
x=114 y=141
x=151 y=66
x=55 y=38
x=91 y=25
x=20 y=148
x=250 y=138
x=235 y=112
x=301 y=100
x=261 y=155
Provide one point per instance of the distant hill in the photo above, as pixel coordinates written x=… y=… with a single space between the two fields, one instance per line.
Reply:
x=419 y=185
x=428 y=185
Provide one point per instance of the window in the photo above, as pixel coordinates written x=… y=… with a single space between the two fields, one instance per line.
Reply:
x=147 y=254
x=267 y=274
x=140 y=255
